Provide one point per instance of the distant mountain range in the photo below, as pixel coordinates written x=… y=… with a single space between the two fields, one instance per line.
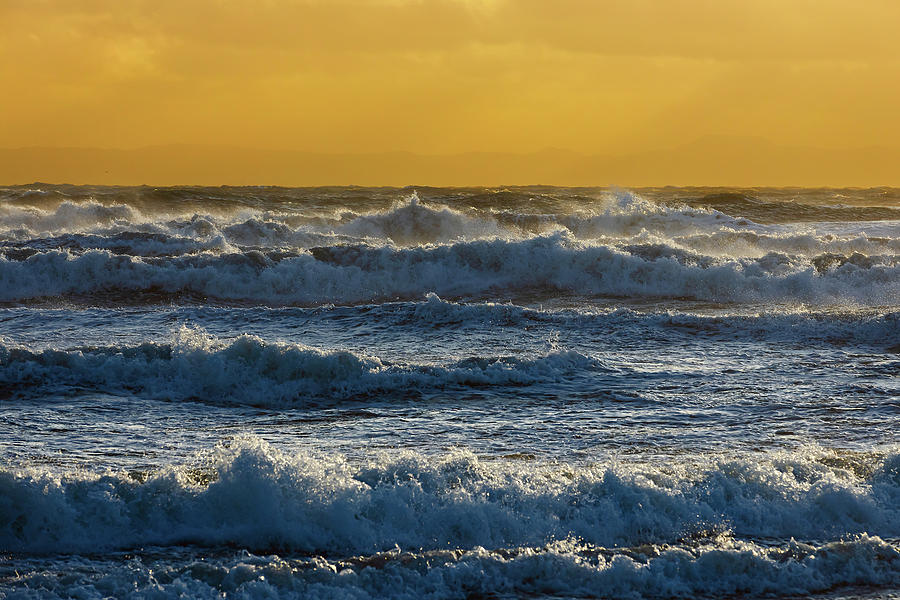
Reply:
x=713 y=160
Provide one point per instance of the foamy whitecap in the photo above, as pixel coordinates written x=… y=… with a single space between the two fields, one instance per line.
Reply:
x=256 y=497
x=555 y=263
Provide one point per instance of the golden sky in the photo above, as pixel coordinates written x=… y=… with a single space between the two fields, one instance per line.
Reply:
x=596 y=77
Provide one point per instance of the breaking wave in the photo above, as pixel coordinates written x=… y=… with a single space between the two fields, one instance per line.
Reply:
x=554 y=263
x=859 y=567
x=251 y=371
x=609 y=218
x=412 y=223
x=256 y=497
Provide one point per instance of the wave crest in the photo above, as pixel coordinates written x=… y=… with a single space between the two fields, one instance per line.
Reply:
x=250 y=371
x=555 y=263
x=254 y=496
x=413 y=223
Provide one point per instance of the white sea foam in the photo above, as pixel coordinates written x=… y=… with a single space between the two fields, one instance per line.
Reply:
x=256 y=497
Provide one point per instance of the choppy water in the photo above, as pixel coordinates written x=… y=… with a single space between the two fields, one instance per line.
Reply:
x=449 y=393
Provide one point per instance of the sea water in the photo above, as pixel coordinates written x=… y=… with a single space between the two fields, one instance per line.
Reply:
x=449 y=393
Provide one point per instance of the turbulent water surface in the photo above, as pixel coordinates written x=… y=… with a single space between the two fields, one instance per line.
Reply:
x=449 y=393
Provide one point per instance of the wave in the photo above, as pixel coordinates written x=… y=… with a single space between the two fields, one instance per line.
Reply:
x=612 y=219
x=556 y=263
x=206 y=234
x=91 y=222
x=253 y=496
x=251 y=371
x=67 y=217
x=862 y=567
x=128 y=243
x=412 y=223
x=744 y=243
x=842 y=329
x=405 y=223
x=748 y=206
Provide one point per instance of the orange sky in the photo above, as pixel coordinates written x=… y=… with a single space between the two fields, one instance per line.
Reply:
x=448 y=76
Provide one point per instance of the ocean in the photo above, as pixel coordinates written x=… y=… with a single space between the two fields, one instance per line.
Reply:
x=526 y=392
